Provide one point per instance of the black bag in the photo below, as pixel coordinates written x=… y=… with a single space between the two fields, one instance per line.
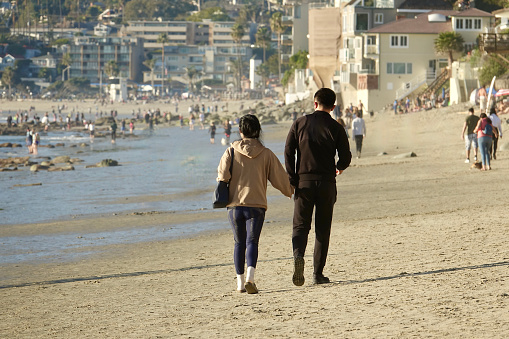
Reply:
x=221 y=194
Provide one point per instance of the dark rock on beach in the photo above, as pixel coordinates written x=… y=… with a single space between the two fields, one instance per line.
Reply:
x=104 y=163
x=61 y=159
x=67 y=167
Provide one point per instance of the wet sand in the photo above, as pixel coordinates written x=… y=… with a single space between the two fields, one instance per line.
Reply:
x=418 y=249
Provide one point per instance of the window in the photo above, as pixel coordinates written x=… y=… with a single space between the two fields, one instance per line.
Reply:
x=371 y=40
x=361 y=22
x=459 y=23
x=379 y=18
x=399 y=68
x=468 y=24
x=297 y=12
x=399 y=41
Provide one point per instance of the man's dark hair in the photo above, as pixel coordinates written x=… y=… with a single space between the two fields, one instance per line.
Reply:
x=326 y=97
x=249 y=125
x=471 y=110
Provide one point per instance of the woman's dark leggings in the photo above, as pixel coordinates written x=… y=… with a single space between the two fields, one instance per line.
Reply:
x=246 y=223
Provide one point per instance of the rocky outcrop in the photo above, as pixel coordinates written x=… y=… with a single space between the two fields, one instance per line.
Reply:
x=67 y=167
x=104 y=163
x=38 y=167
x=63 y=159
x=11 y=145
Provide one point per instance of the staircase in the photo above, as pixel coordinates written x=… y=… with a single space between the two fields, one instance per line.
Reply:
x=435 y=85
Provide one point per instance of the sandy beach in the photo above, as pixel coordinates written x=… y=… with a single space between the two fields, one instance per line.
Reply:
x=418 y=249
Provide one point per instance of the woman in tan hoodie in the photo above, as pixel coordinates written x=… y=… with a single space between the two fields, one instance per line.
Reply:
x=253 y=165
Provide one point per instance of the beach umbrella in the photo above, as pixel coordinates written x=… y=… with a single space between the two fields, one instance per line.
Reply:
x=502 y=92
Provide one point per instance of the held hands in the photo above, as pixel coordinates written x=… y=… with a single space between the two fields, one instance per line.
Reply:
x=338 y=172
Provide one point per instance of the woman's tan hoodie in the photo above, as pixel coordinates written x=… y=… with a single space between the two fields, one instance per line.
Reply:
x=253 y=165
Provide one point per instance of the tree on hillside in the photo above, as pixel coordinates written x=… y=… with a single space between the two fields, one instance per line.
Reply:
x=297 y=61
x=153 y=9
x=151 y=63
x=448 y=43
x=276 y=24
x=191 y=74
x=212 y=13
x=491 y=67
x=238 y=32
x=163 y=40
x=8 y=77
x=112 y=69
x=67 y=62
x=263 y=39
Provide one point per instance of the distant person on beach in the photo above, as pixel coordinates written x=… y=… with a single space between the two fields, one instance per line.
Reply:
x=191 y=122
x=131 y=127
x=212 y=131
x=253 y=165
x=316 y=139
x=113 y=128
x=227 y=130
x=485 y=132
x=29 y=140
x=91 y=129
x=482 y=99
x=497 y=124
x=36 y=140
x=358 y=132
x=471 y=139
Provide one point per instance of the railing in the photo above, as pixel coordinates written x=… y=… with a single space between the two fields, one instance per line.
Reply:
x=409 y=87
x=287 y=19
x=285 y=38
x=372 y=49
x=492 y=42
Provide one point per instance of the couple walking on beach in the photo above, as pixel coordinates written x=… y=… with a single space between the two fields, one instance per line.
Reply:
x=311 y=146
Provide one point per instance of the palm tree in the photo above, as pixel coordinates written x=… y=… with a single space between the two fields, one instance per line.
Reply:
x=151 y=63
x=263 y=39
x=112 y=69
x=8 y=77
x=67 y=61
x=191 y=73
x=238 y=32
x=163 y=40
x=448 y=43
x=276 y=24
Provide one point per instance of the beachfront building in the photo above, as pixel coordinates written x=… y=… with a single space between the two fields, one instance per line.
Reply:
x=404 y=56
x=206 y=46
x=178 y=32
x=211 y=62
x=90 y=55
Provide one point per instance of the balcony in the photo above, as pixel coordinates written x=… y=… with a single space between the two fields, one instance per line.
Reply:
x=371 y=51
x=286 y=39
x=494 y=43
x=287 y=20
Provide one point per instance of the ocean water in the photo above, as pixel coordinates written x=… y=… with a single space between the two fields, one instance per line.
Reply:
x=170 y=169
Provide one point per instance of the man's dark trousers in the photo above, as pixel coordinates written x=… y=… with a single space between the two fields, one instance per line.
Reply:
x=311 y=194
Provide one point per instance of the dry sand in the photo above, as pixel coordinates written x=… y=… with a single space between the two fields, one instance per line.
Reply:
x=418 y=249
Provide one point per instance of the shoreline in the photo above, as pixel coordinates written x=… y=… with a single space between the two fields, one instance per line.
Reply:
x=417 y=249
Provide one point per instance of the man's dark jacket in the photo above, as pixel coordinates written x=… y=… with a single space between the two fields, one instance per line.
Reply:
x=316 y=138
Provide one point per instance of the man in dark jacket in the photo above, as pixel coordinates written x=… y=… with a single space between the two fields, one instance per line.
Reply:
x=315 y=138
